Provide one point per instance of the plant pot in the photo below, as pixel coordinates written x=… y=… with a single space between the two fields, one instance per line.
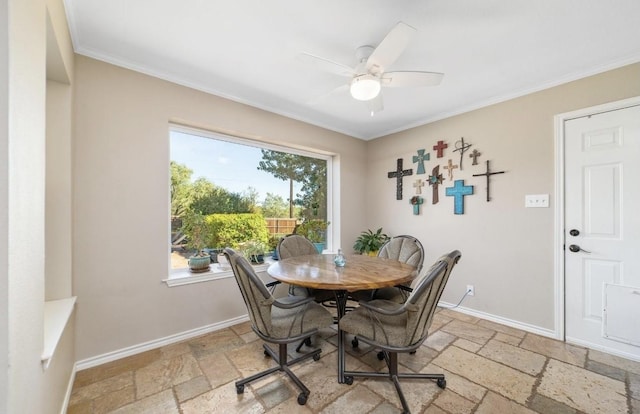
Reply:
x=257 y=258
x=199 y=264
x=319 y=247
x=213 y=253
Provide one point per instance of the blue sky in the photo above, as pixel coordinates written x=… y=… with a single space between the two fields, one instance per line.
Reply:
x=228 y=165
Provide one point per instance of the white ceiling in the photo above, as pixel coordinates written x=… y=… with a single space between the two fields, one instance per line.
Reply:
x=489 y=50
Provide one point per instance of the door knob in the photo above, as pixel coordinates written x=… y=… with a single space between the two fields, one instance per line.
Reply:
x=574 y=232
x=575 y=248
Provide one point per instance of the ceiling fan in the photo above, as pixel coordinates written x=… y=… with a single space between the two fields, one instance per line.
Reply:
x=369 y=76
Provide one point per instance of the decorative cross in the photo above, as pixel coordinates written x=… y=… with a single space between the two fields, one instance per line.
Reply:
x=488 y=174
x=440 y=148
x=415 y=202
x=420 y=159
x=462 y=147
x=418 y=186
x=434 y=180
x=458 y=191
x=450 y=167
x=398 y=174
x=475 y=154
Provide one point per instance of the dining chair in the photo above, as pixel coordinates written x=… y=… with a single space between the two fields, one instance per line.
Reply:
x=277 y=321
x=406 y=249
x=400 y=327
x=293 y=245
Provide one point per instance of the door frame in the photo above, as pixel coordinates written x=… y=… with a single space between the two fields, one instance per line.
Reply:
x=559 y=213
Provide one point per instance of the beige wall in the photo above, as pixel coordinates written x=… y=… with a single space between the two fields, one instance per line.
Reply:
x=507 y=250
x=4 y=205
x=58 y=246
x=121 y=206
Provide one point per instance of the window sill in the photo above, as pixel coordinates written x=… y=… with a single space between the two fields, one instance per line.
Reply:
x=56 y=316
x=179 y=277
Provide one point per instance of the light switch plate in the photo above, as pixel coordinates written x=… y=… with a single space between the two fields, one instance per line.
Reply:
x=536 y=200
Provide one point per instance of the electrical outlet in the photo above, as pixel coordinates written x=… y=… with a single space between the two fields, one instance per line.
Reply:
x=471 y=290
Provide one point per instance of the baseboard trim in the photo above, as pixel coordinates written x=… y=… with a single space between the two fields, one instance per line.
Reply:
x=550 y=333
x=157 y=343
x=607 y=350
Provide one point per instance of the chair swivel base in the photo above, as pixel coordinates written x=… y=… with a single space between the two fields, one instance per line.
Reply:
x=283 y=365
x=393 y=374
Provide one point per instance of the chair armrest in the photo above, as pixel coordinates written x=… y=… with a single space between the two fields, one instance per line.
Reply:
x=293 y=303
x=397 y=311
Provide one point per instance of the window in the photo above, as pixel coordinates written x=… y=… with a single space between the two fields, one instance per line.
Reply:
x=228 y=191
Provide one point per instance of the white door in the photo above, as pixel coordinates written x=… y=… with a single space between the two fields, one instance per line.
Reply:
x=602 y=231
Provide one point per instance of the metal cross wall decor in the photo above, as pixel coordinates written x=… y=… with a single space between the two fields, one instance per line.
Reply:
x=398 y=174
x=420 y=159
x=488 y=174
x=462 y=147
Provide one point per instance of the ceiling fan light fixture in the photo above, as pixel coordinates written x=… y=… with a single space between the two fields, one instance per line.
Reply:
x=365 y=87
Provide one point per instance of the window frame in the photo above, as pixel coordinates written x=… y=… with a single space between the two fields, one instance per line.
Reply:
x=182 y=276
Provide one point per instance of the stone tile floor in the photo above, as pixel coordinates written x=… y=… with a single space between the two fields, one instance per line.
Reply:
x=490 y=368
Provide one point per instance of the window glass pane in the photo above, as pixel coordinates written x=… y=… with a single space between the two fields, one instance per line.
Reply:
x=231 y=192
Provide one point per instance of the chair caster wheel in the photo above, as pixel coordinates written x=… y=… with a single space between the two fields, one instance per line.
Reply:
x=240 y=389
x=355 y=343
x=380 y=355
x=302 y=399
x=412 y=352
x=307 y=342
x=442 y=383
x=348 y=380
x=266 y=353
x=316 y=357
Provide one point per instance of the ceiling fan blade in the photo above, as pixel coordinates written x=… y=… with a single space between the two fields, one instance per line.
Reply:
x=375 y=105
x=325 y=64
x=391 y=46
x=316 y=100
x=411 y=78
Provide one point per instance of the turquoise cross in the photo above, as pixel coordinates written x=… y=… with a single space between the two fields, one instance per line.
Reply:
x=415 y=202
x=458 y=191
x=420 y=159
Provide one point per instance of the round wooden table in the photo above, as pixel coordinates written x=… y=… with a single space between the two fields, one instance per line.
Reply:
x=361 y=272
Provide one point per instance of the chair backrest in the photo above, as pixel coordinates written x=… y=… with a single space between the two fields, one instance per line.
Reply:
x=406 y=249
x=422 y=302
x=295 y=245
x=255 y=294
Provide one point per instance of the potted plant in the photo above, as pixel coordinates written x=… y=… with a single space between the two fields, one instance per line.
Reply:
x=370 y=242
x=194 y=227
x=315 y=230
x=254 y=250
x=273 y=245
